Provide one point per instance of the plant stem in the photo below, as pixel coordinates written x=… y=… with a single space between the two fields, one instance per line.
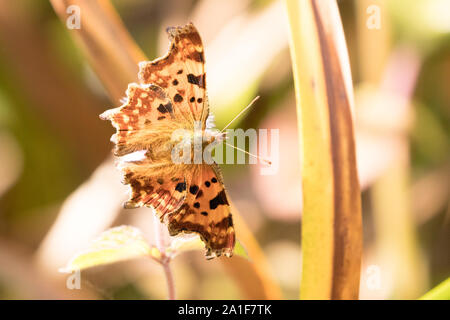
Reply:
x=169 y=279
x=165 y=260
x=159 y=233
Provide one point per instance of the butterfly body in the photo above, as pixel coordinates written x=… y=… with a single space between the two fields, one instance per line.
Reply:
x=163 y=128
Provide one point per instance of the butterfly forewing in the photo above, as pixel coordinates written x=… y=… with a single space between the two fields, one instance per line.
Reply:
x=181 y=73
x=138 y=119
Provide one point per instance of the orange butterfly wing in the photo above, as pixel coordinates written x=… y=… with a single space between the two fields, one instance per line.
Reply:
x=151 y=186
x=206 y=211
x=139 y=123
x=181 y=73
x=135 y=120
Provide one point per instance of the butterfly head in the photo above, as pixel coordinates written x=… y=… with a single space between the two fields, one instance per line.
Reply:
x=211 y=134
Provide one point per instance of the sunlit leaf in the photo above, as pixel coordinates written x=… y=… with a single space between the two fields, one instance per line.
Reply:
x=331 y=226
x=440 y=292
x=186 y=243
x=116 y=244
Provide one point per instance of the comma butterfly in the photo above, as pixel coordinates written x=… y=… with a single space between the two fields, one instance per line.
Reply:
x=188 y=197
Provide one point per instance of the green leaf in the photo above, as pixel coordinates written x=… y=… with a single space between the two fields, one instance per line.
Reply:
x=440 y=292
x=116 y=244
x=331 y=219
x=239 y=250
x=186 y=243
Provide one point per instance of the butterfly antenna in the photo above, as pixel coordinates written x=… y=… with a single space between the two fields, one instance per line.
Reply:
x=249 y=105
x=250 y=154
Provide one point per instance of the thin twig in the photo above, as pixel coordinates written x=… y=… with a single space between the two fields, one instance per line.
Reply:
x=169 y=279
x=165 y=260
x=159 y=235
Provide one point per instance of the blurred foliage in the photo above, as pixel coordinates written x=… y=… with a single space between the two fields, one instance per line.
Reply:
x=440 y=292
x=49 y=104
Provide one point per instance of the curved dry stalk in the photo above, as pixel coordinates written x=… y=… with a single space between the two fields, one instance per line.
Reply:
x=107 y=45
x=61 y=101
x=331 y=225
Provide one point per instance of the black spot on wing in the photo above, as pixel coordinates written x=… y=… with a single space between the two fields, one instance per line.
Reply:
x=230 y=220
x=181 y=187
x=193 y=189
x=220 y=199
x=225 y=222
x=197 y=80
x=165 y=108
x=177 y=98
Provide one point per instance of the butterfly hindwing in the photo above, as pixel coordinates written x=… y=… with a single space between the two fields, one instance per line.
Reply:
x=207 y=212
x=151 y=186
